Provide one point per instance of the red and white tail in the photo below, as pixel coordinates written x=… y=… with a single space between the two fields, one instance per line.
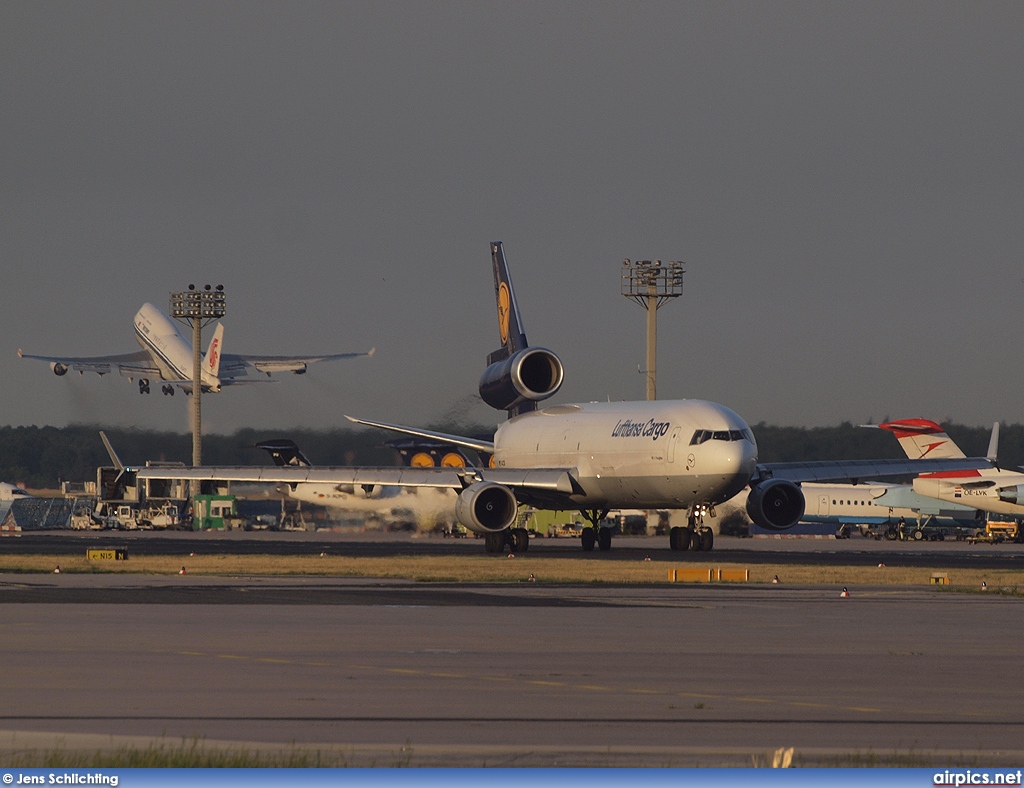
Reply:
x=211 y=361
x=921 y=438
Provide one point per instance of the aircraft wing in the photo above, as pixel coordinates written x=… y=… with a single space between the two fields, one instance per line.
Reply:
x=233 y=365
x=137 y=364
x=548 y=479
x=861 y=470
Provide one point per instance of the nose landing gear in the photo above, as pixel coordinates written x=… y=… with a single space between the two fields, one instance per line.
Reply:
x=694 y=535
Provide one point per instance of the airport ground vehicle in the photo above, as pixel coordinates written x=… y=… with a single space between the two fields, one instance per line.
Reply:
x=996 y=532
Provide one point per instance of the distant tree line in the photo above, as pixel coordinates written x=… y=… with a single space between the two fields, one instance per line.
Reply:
x=42 y=457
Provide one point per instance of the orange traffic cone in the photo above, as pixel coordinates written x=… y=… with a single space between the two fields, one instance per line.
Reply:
x=183 y=572
x=775 y=579
x=532 y=578
x=57 y=570
x=845 y=593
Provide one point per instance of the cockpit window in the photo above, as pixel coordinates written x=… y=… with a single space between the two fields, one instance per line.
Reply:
x=700 y=436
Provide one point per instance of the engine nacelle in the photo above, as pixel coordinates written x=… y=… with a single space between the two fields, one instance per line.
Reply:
x=1014 y=494
x=775 y=504
x=486 y=507
x=59 y=369
x=534 y=373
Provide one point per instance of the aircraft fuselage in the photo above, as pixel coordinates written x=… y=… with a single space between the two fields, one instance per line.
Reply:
x=671 y=453
x=171 y=351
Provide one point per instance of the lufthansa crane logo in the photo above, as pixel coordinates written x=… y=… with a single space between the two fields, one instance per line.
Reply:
x=504 y=303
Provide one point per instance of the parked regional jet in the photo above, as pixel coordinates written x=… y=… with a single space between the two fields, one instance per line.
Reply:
x=991 y=489
x=167 y=355
x=592 y=457
x=880 y=504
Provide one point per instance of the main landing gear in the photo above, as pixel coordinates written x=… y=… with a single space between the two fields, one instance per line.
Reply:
x=517 y=539
x=694 y=535
x=143 y=385
x=168 y=390
x=594 y=534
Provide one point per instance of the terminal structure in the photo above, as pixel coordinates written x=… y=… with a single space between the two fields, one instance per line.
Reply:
x=652 y=283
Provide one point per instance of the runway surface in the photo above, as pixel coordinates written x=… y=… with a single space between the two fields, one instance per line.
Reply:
x=396 y=673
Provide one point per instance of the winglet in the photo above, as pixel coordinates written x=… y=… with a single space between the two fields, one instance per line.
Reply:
x=20 y=354
x=110 y=450
x=510 y=323
x=993 y=444
x=211 y=361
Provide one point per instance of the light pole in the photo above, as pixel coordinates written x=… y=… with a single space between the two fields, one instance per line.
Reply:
x=651 y=283
x=197 y=308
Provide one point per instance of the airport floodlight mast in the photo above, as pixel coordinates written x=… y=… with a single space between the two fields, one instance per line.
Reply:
x=651 y=283
x=198 y=308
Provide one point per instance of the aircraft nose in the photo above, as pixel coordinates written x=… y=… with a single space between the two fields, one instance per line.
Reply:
x=733 y=457
x=732 y=462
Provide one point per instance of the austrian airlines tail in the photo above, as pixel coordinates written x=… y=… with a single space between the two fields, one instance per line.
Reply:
x=211 y=361
x=921 y=438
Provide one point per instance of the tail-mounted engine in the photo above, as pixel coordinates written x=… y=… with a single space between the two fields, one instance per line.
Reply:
x=486 y=507
x=531 y=375
x=775 y=504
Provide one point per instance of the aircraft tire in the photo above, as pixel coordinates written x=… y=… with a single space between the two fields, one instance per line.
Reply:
x=673 y=537
x=696 y=543
x=918 y=536
x=588 y=539
x=890 y=534
x=495 y=543
x=707 y=540
x=686 y=537
x=604 y=539
x=519 y=540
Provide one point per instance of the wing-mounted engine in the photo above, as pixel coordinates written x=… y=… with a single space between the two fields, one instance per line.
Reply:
x=775 y=504
x=486 y=507
x=530 y=375
x=58 y=368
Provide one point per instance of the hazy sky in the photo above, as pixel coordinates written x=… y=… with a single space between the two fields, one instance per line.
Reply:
x=844 y=180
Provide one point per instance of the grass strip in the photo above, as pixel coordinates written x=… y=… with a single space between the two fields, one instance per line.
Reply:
x=493 y=569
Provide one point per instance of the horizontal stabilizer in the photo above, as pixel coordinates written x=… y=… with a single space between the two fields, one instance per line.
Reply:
x=454 y=440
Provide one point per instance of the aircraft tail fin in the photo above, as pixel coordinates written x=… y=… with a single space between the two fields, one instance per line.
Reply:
x=922 y=438
x=211 y=361
x=284 y=452
x=510 y=323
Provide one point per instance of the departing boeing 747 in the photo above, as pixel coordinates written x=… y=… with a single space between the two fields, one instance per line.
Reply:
x=591 y=457
x=167 y=356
